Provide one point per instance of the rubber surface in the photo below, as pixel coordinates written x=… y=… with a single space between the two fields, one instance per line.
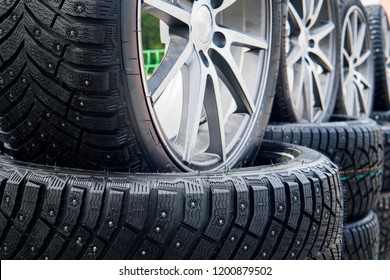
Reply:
x=71 y=92
x=355 y=146
x=291 y=209
x=383 y=212
x=361 y=239
x=375 y=16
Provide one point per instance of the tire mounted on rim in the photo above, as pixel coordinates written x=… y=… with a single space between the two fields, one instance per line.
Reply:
x=358 y=73
x=82 y=97
x=310 y=68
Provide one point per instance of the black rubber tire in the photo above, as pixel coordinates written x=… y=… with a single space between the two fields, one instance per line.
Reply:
x=361 y=239
x=283 y=108
x=383 y=212
x=378 y=20
x=381 y=116
x=290 y=209
x=354 y=145
x=384 y=257
x=70 y=96
x=344 y=7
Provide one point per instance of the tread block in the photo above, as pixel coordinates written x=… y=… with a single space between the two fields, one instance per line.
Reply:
x=181 y=245
x=35 y=241
x=28 y=206
x=84 y=80
x=232 y=241
x=71 y=212
x=204 y=250
x=76 y=245
x=146 y=251
x=11 y=190
x=121 y=245
x=92 y=9
x=112 y=214
x=247 y=248
x=196 y=198
x=221 y=209
x=53 y=249
x=94 y=202
x=52 y=199
x=139 y=195
x=167 y=208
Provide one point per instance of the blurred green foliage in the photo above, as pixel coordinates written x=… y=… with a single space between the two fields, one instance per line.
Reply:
x=151 y=32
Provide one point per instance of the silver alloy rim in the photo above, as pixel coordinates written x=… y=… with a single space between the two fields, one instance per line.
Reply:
x=357 y=75
x=386 y=49
x=311 y=59
x=208 y=91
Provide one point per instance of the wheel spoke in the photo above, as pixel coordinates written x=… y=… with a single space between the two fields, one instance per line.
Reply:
x=308 y=84
x=177 y=54
x=360 y=39
x=225 y=4
x=194 y=92
x=214 y=112
x=350 y=35
x=231 y=75
x=299 y=78
x=237 y=38
x=362 y=98
x=321 y=59
x=315 y=11
x=359 y=78
x=363 y=58
x=317 y=87
x=319 y=33
x=167 y=11
x=294 y=56
x=297 y=21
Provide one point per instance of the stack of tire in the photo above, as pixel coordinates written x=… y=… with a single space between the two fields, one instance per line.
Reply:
x=349 y=139
x=74 y=94
x=100 y=159
x=380 y=29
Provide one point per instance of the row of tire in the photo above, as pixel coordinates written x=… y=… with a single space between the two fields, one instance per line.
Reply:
x=292 y=202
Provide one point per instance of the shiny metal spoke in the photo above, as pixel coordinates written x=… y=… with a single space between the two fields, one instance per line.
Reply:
x=294 y=55
x=176 y=56
x=194 y=93
x=319 y=33
x=233 y=79
x=297 y=20
x=322 y=59
x=237 y=38
x=309 y=102
x=311 y=11
x=214 y=111
x=167 y=11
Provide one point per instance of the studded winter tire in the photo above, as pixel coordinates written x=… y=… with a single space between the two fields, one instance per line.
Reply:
x=288 y=207
x=76 y=90
x=354 y=145
x=362 y=239
x=310 y=68
x=383 y=212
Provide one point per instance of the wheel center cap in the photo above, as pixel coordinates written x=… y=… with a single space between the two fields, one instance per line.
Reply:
x=303 y=41
x=203 y=24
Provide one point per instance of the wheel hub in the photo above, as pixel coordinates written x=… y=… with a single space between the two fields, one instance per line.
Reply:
x=303 y=41
x=203 y=24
